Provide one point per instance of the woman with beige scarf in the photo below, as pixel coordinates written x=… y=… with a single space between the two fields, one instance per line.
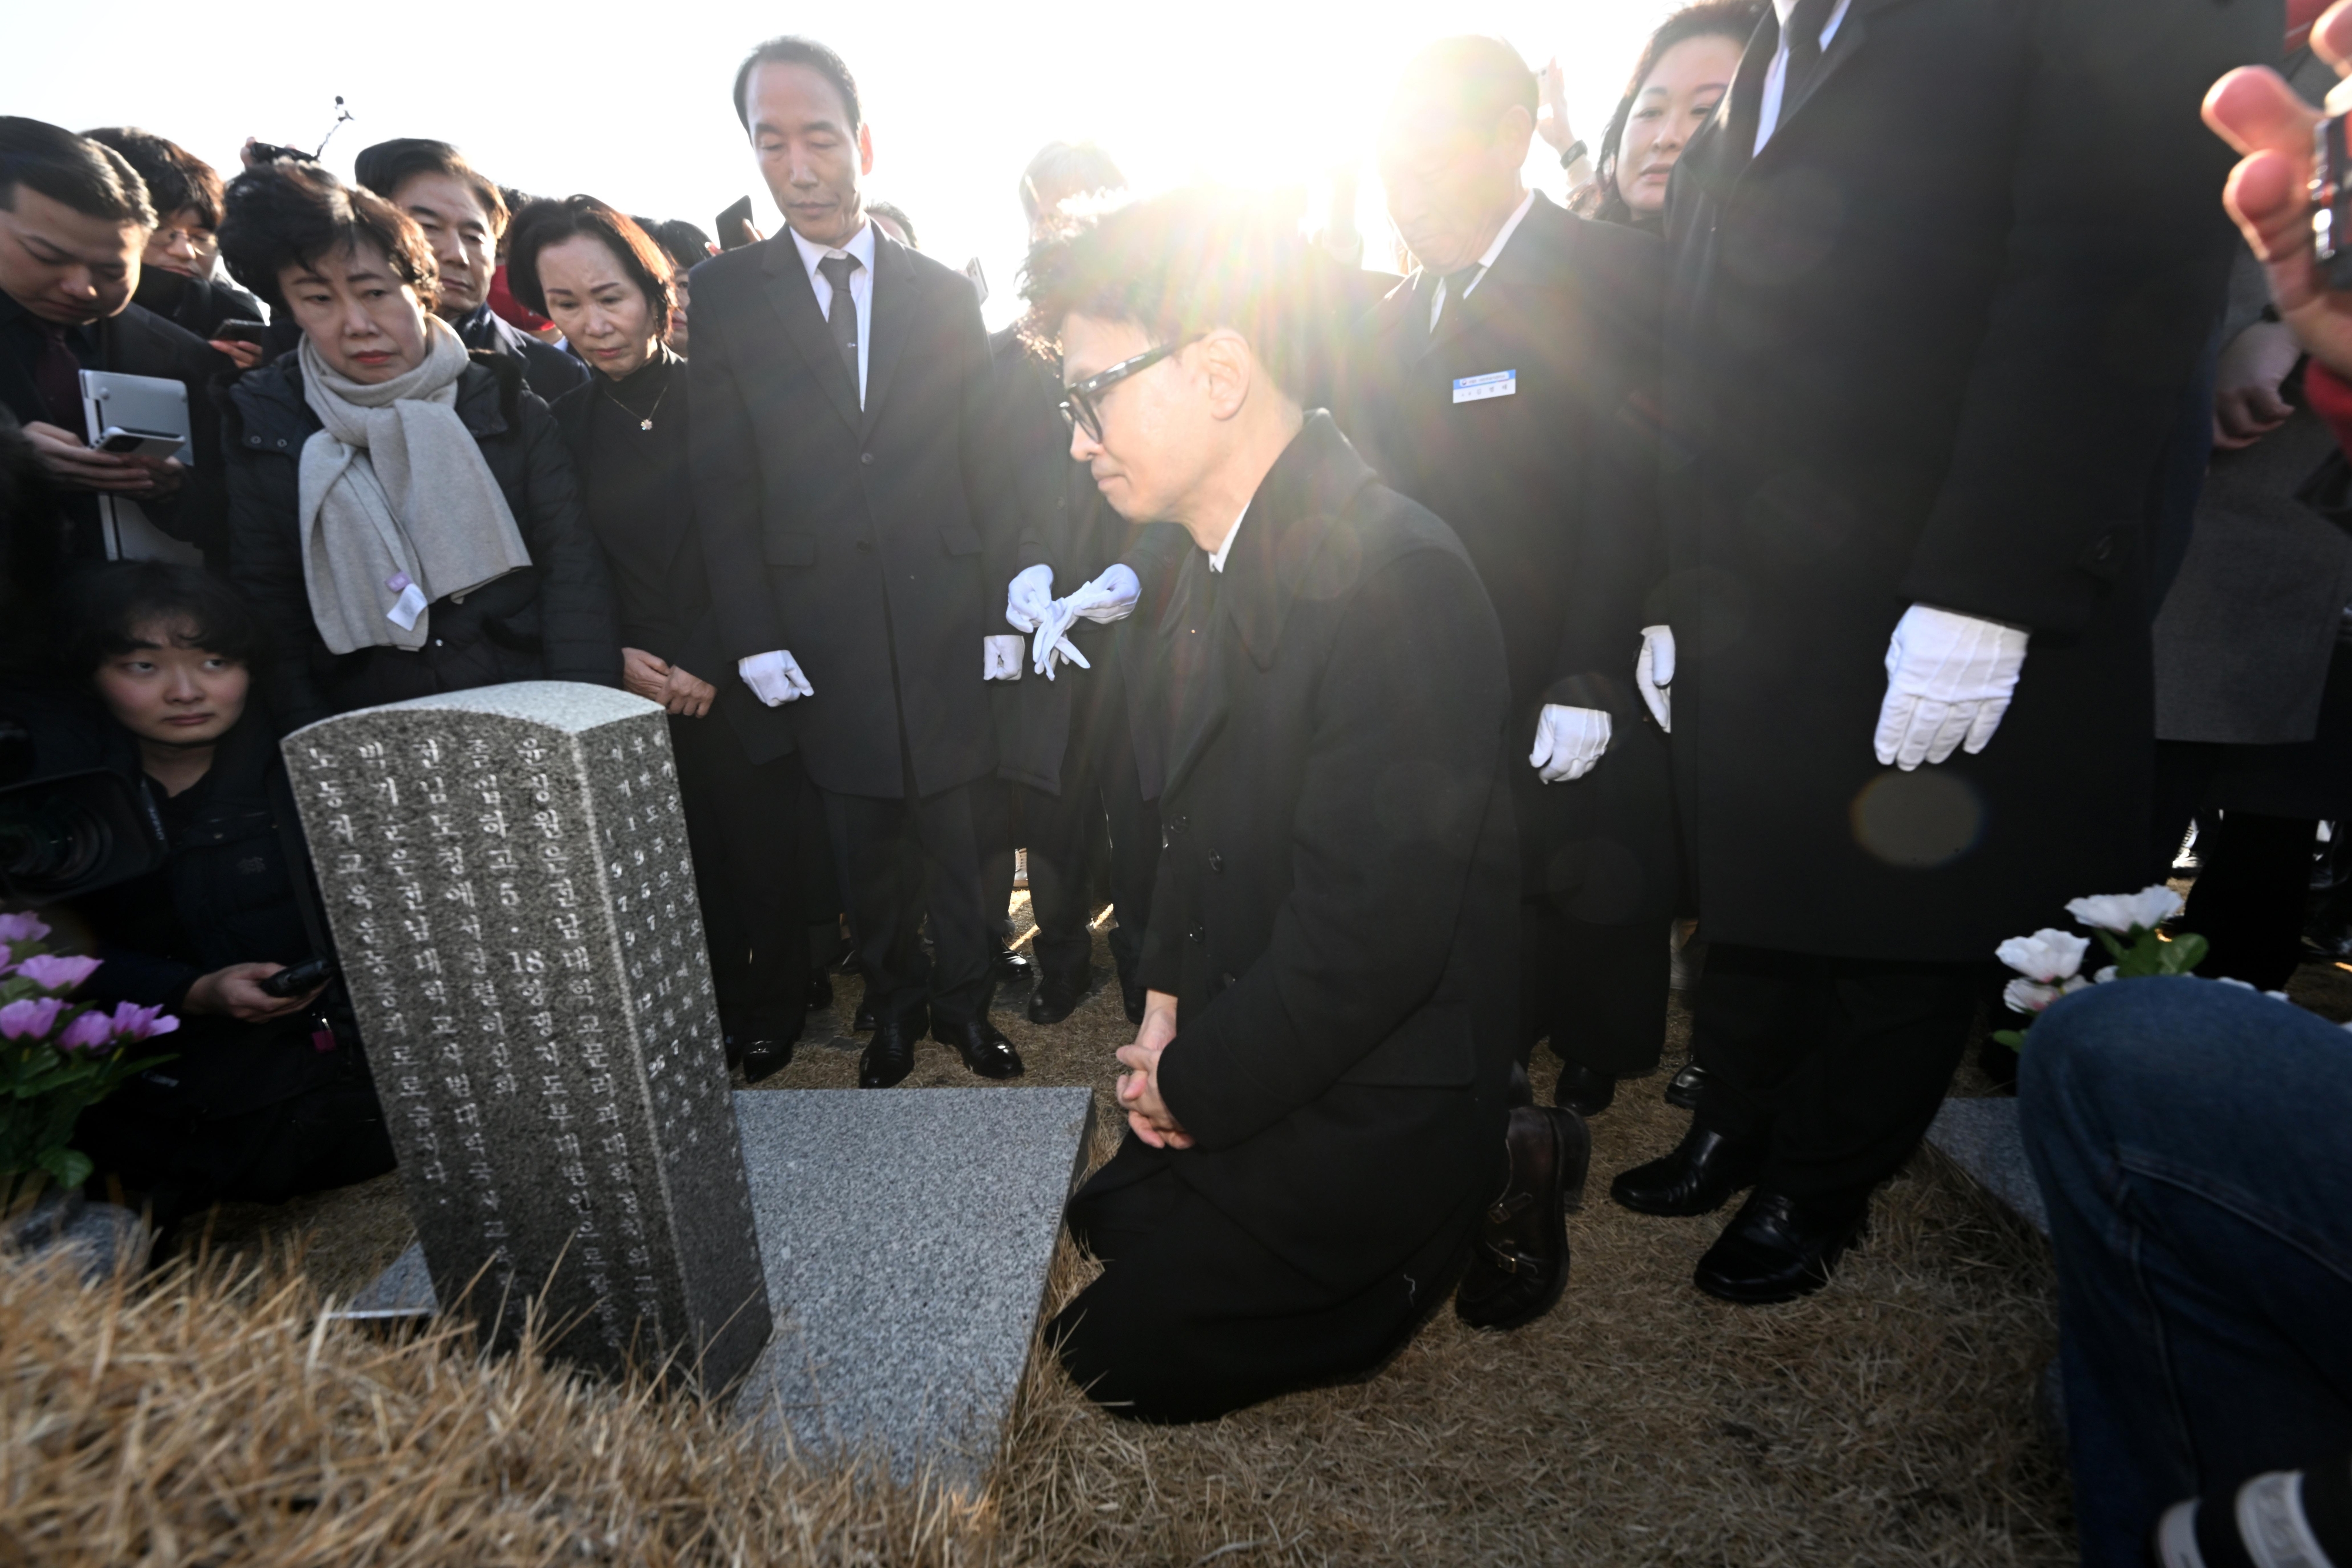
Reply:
x=403 y=514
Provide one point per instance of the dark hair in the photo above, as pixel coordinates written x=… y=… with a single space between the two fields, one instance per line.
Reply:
x=897 y=214
x=385 y=167
x=1185 y=262
x=290 y=214
x=553 y=221
x=1733 y=19
x=1065 y=169
x=177 y=180
x=92 y=179
x=685 y=244
x=791 y=52
x=1475 y=78
x=106 y=606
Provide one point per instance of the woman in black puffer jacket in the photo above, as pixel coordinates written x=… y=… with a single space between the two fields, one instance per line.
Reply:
x=419 y=561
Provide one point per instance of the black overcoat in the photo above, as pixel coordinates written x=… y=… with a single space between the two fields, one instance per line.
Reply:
x=1926 y=348
x=854 y=537
x=1337 y=891
x=1552 y=489
x=687 y=632
x=552 y=622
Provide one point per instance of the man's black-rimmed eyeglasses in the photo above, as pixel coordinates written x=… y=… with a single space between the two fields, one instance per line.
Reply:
x=1082 y=400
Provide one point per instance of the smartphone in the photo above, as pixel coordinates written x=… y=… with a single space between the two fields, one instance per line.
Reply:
x=297 y=979
x=2331 y=202
x=734 y=225
x=241 y=330
x=124 y=442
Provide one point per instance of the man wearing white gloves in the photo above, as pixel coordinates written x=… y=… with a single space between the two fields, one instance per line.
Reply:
x=1506 y=386
x=1922 y=356
x=855 y=547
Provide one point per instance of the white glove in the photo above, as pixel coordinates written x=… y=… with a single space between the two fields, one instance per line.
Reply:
x=1108 y=597
x=1654 y=675
x=1052 y=642
x=999 y=658
x=774 y=678
x=1569 y=742
x=1948 y=680
x=1026 y=602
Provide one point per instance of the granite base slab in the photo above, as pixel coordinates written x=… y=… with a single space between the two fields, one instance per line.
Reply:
x=906 y=1238
x=1983 y=1138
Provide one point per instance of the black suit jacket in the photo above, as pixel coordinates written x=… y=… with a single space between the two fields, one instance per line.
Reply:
x=854 y=537
x=1926 y=346
x=688 y=633
x=1552 y=490
x=1338 y=898
x=138 y=343
x=550 y=371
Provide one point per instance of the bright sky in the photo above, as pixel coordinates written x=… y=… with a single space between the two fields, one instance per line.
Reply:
x=630 y=103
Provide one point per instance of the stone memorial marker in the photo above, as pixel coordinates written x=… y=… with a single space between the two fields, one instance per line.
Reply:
x=507 y=876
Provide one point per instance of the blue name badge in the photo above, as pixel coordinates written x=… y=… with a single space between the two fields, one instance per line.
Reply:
x=1477 y=388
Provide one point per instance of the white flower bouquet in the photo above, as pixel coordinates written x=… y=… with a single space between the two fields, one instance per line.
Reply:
x=2049 y=963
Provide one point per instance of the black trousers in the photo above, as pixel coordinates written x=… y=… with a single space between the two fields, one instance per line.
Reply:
x=1599 y=992
x=1193 y=1316
x=898 y=860
x=743 y=822
x=2248 y=901
x=1834 y=1065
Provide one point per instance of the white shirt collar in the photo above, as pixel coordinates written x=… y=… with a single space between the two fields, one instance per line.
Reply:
x=1501 y=238
x=861 y=245
x=1217 y=556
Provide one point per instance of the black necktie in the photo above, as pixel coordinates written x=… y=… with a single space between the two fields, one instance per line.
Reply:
x=56 y=376
x=1457 y=286
x=1804 y=35
x=842 y=316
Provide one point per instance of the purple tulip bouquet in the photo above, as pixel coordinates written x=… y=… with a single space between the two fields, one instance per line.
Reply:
x=57 y=1058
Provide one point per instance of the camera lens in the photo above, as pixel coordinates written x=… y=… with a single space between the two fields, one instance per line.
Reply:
x=49 y=840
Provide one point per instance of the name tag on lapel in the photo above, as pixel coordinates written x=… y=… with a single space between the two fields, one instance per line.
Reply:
x=1477 y=388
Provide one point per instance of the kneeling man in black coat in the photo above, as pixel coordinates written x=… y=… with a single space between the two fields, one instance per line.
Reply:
x=1317 y=1098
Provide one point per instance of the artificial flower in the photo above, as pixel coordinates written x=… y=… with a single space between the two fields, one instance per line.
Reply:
x=2047 y=956
x=57 y=971
x=32 y=1017
x=21 y=928
x=2124 y=913
x=132 y=1021
x=2025 y=996
x=87 y=1032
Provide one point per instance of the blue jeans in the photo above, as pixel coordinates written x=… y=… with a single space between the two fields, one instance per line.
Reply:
x=2194 y=1142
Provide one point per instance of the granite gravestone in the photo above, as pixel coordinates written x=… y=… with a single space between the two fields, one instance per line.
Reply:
x=506 y=872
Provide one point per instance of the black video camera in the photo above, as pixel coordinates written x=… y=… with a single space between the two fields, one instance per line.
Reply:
x=69 y=832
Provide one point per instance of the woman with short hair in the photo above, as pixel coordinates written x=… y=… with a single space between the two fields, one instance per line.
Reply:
x=178 y=276
x=404 y=512
x=603 y=280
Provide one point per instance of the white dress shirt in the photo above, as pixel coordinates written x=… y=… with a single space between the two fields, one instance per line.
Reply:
x=1776 y=76
x=1486 y=262
x=861 y=288
x=1217 y=556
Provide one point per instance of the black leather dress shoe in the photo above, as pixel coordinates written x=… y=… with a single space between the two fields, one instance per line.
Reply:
x=1130 y=994
x=1682 y=1089
x=1583 y=1091
x=890 y=1056
x=984 y=1050
x=766 y=1057
x=1519 y=1264
x=820 y=990
x=1059 y=996
x=1778 y=1247
x=1011 y=968
x=862 y=1022
x=1705 y=1169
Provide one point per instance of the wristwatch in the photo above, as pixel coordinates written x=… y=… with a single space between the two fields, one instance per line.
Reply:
x=1576 y=150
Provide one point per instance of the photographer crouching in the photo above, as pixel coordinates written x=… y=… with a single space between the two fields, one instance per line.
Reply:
x=269 y=1096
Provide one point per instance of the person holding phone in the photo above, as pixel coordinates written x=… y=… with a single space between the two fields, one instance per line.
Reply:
x=267 y=1095
x=179 y=278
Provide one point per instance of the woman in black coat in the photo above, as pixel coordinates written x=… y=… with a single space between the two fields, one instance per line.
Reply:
x=265 y=1096
x=432 y=540
x=601 y=278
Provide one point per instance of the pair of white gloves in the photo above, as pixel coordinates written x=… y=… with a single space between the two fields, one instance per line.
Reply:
x=775 y=678
x=1949 y=678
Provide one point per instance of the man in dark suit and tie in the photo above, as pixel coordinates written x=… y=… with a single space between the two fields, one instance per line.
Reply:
x=1504 y=386
x=1941 y=273
x=839 y=386
x=74 y=222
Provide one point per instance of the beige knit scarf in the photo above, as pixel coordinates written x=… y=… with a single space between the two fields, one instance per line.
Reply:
x=398 y=508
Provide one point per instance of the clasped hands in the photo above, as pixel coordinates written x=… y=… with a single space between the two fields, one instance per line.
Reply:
x=1030 y=606
x=1571 y=741
x=1138 y=1087
x=657 y=680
